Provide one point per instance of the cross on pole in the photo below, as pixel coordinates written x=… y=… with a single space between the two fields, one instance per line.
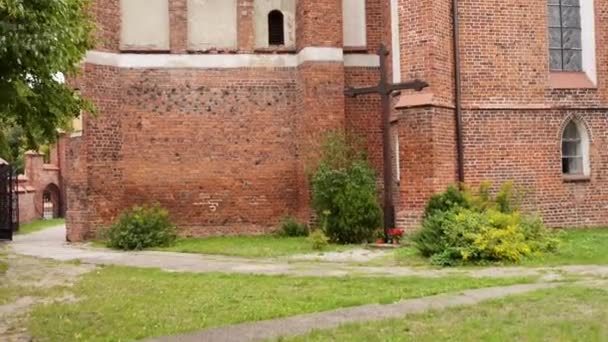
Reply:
x=385 y=89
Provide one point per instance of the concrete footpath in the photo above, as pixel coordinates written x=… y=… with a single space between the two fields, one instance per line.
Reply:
x=303 y=324
x=50 y=244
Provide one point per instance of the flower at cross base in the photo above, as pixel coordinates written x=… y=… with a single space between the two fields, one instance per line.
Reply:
x=395 y=234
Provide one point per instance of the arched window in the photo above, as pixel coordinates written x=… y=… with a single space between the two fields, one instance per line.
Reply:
x=575 y=149
x=276 y=31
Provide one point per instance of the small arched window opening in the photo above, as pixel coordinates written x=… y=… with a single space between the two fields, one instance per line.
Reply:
x=276 y=31
x=575 y=149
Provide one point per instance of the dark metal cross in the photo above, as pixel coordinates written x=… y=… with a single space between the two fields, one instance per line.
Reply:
x=385 y=89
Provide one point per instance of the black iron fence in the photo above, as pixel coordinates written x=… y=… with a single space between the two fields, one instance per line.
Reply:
x=9 y=202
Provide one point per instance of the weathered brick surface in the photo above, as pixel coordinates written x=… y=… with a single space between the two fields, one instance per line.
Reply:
x=106 y=14
x=428 y=159
x=364 y=113
x=229 y=151
x=524 y=146
x=41 y=176
x=512 y=116
x=214 y=147
x=319 y=23
x=504 y=50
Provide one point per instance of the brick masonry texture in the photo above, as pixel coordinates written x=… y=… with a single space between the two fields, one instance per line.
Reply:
x=229 y=151
x=524 y=146
x=512 y=117
x=42 y=176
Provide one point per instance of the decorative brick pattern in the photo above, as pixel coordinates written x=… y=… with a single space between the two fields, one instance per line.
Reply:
x=229 y=151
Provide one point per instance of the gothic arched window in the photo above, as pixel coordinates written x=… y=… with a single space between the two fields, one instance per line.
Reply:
x=276 y=31
x=575 y=149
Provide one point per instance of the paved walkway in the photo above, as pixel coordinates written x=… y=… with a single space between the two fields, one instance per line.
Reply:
x=50 y=244
x=303 y=324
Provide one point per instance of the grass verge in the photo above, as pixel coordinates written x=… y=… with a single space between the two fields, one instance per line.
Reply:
x=39 y=225
x=249 y=246
x=3 y=267
x=562 y=314
x=118 y=303
x=578 y=247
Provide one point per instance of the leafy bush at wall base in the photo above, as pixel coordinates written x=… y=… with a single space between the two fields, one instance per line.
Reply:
x=142 y=227
x=344 y=193
x=473 y=227
x=290 y=227
x=350 y=197
x=318 y=240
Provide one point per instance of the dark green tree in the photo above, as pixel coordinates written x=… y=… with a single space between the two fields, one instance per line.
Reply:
x=12 y=147
x=41 y=43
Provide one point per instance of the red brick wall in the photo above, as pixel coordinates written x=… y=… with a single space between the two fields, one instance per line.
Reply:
x=427 y=145
x=243 y=141
x=77 y=194
x=319 y=23
x=106 y=14
x=190 y=139
x=512 y=116
x=226 y=151
x=504 y=49
x=27 y=211
x=365 y=113
x=524 y=146
x=426 y=45
x=40 y=177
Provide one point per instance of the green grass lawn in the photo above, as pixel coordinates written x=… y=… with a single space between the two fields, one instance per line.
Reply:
x=562 y=314
x=118 y=303
x=578 y=247
x=249 y=246
x=27 y=228
x=3 y=266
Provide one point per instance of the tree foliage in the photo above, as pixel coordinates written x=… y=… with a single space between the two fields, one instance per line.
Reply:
x=41 y=41
x=12 y=147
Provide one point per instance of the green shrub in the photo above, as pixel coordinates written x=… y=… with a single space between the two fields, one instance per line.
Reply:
x=290 y=227
x=344 y=193
x=318 y=240
x=464 y=226
x=142 y=227
x=446 y=201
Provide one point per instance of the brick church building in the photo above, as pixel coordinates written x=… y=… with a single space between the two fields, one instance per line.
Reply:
x=214 y=108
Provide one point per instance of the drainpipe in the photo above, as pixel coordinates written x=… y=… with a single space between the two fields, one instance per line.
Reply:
x=458 y=91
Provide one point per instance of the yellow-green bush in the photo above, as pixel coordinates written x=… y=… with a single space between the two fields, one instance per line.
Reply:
x=473 y=226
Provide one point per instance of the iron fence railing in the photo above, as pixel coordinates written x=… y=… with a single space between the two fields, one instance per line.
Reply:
x=9 y=202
